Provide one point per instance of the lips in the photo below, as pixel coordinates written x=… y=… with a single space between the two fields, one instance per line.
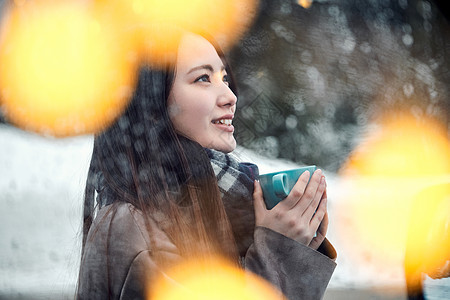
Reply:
x=224 y=123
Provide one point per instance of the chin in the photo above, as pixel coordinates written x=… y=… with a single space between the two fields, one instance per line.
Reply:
x=225 y=147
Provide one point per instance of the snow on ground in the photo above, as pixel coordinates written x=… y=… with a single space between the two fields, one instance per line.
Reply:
x=41 y=184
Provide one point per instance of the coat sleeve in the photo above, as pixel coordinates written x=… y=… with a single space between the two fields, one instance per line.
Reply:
x=136 y=284
x=298 y=271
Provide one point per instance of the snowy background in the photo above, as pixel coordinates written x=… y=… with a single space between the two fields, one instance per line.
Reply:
x=42 y=182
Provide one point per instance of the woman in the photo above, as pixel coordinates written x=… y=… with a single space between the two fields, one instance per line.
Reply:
x=159 y=199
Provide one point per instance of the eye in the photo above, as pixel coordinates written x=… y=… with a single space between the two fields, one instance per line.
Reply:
x=226 y=79
x=203 y=78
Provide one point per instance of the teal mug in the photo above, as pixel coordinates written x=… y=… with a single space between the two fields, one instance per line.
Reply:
x=277 y=186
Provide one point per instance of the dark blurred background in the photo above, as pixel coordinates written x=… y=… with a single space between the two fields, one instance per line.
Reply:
x=312 y=79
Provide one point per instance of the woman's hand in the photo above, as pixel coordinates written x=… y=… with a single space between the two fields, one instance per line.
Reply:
x=299 y=216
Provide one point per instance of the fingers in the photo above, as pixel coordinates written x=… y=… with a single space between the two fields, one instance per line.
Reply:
x=258 y=202
x=317 y=182
x=323 y=227
x=320 y=234
x=297 y=192
x=319 y=222
x=303 y=193
x=300 y=215
x=313 y=205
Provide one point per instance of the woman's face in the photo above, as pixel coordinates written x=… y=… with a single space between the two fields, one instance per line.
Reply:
x=201 y=104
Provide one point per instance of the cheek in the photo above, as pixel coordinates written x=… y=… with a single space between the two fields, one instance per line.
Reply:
x=192 y=105
x=190 y=116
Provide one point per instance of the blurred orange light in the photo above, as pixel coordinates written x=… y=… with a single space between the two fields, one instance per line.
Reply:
x=428 y=240
x=382 y=178
x=214 y=280
x=402 y=147
x=153 y=27
x=62 y=72
x=305 y=3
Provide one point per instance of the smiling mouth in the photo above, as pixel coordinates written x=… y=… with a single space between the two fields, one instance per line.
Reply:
x=223 y=121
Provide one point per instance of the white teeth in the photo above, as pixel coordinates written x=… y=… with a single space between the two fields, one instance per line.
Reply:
x=223 y=121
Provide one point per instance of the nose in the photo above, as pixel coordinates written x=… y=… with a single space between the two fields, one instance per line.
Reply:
x=227 y=98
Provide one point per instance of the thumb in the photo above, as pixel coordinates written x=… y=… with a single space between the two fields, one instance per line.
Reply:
x=258 y=201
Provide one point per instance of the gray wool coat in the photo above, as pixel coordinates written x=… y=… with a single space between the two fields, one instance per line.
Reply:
x=295 y=269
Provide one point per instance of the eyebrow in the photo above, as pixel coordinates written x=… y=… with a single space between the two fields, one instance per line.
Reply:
x=203 y=67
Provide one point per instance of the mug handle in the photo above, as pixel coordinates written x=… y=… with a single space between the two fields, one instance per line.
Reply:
x=279 y=186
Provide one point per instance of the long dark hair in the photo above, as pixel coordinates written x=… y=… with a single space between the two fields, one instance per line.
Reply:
x=142 y=160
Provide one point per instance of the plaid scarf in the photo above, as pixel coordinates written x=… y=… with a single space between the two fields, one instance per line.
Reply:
x=235 y=181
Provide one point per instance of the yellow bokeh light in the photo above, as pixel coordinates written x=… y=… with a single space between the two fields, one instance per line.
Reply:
x=216 y=279
x=428 y=239
x=153 y=27
x=305 y=3
x=383 y=178
x=62 y=71
x=68 y=67
x=402 y=147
